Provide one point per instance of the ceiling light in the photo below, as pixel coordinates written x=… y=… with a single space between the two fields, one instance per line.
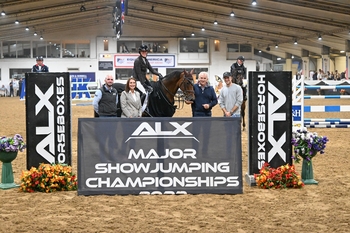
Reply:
x=35 y=34
x=184 y=38
x=292 y=56
x=276 y=46
x=268 y=48
x=254 y=2
x=16 y=22
x=295 y=41
x=82 y=8
x=232 y=14
x=41 y=38
x=342 y=51
x=203 y=29
x=3 y=13
x=27 y=28
x=278 y=59
x=215 y=22
x=192 y=34
x=319 y=37
x=259 y=51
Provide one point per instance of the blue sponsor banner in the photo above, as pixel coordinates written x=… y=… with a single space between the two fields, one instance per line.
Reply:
x=296 y=110
x=80 y=83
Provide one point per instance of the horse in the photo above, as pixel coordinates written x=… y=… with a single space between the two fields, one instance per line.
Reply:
x=237 y=78
x=161 y=100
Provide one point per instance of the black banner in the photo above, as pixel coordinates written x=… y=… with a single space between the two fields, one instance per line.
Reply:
x=159 y=156
x=270 y=120
x=48 y=113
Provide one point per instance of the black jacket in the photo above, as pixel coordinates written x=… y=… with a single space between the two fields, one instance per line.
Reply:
x=107 y=105
x=140 y=70
x=240 y=69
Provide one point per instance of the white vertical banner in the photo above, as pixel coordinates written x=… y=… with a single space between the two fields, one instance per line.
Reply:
x=306 y=69
x=325 y=63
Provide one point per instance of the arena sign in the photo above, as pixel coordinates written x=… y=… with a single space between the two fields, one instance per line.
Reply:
x=159 y=156
x=48 y=116
x=270 y=120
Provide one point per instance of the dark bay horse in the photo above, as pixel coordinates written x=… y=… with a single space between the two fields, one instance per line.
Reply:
x=238 y=79
x=161 y=100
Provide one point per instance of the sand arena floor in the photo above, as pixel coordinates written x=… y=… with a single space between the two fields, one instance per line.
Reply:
x=321 y=208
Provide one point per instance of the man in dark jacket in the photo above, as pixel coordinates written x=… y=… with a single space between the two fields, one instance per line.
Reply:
x=141 y=64
x=205 y=97
x=39 y=66
x=239 y=67
x=106 y=99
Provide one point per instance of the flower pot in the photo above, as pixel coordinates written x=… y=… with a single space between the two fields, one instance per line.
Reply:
x=7 y=181
x=307 y=174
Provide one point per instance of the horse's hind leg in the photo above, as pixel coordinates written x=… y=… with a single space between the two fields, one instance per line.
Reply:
x=243 y=114
x=243 y=121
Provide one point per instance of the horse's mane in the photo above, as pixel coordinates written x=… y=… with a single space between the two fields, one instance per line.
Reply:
x=172 y=74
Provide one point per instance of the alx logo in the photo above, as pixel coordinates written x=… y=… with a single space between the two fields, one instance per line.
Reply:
x=49 y=130
x=275 y=93
x=146 y=131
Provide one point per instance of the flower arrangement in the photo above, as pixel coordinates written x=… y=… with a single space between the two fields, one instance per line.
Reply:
x=277 y=178
x=307 y=144
x=48 y=178
x=12 y=144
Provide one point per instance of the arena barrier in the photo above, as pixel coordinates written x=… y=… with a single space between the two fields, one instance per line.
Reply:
x=327 y=97
x=328 y=87
x=298 y=97
x=327 y=108
x=327 y=123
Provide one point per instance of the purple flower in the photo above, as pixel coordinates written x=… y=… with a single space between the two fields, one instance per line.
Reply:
x=14 y=144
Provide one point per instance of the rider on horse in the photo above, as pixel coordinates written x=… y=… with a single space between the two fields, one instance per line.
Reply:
x=239 y=68
x=141 y=64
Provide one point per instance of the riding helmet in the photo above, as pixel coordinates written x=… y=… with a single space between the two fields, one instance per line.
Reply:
x=40 y=58
x=226 y=74
x=143 y=48
x=241 y=58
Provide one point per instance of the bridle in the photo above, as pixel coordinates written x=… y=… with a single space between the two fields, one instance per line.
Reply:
x=187 y=81
x=186 y=93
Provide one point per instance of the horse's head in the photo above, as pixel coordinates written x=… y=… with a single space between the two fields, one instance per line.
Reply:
x=186 y=85
x=237 y=78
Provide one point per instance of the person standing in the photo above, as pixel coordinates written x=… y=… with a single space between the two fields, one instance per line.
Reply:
x=39 y=66
x=239 y=67
x=11 y=89
x=205 y=97
x=20 y=83
x=141 y=64
x=106 y=99
x=231 y=97
x=130 y=100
